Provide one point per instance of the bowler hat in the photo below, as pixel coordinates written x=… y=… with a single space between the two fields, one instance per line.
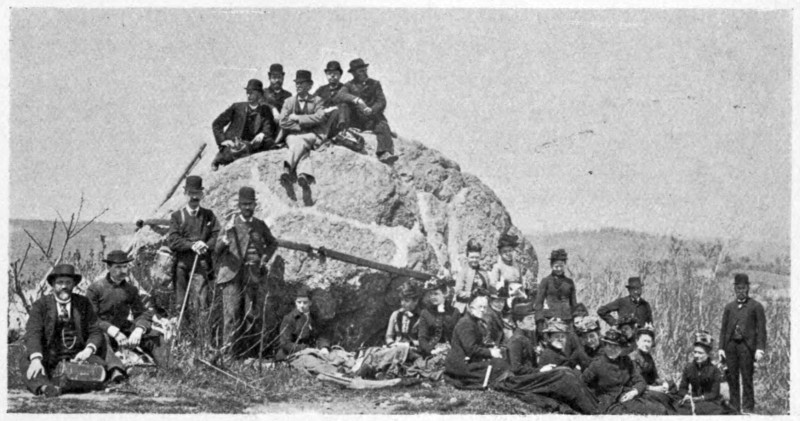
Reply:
x=247 y=195
x=357 y=64
x=303 y=76
x=522 y=310
x=410 y=290
x=333 y=66
x=634 y=282
x=507 y=240
x=117 y=256
x=474 y=245
x=194 y=183
x=647 y=329
x=741 y=279
x=63 y=270
x=254 y=85
x=704 y=339
x=559 y=254
x=587 y=324
x=626 y=320
x=555 y=325
x=613 y=336
x=302 y=292
x=276 y=69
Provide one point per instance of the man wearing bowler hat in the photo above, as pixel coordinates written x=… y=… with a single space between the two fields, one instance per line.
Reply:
x=192 y=236
x=275 y=95
x=243 y=248
x=632 y=305
x=61 y=326
x=114 y=298
x=333 y=95
x=303 y=120
x=742 y=341
x=245 y=127
x=371 y=117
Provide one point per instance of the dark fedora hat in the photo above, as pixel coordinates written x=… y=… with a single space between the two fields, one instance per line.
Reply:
x=117 y=256
x=626 y=320
x=303 y=76
x=614 y=337
x=193 y=183
x=704 y=339
x=741 y=279
x=333 y=66
x=254 y=85
x=276 y=68
x=522 y=310
x=303 y=292
x=410 y=290
x=559 y=254
x=357 y=64
x=474 y=245
x=63 y=270
x=634 y=282
x=507 y=240
x=247 y=195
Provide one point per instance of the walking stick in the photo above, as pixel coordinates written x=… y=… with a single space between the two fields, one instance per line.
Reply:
x=691 y=399
x=186 y=298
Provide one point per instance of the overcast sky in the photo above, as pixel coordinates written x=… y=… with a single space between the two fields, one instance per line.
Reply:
x=659 y=121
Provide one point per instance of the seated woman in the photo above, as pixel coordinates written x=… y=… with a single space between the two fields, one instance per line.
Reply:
x=588 y=330
x=627 y=326
x=437 y=320
x=657 y=388
x=521 y=348
x=471 y=362
x=699 y=388
x=617 y=383
x=555 y=352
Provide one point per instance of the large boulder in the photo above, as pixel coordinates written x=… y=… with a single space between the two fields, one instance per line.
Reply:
x=417 y=214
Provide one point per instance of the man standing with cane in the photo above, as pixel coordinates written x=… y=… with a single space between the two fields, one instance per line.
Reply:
x=742 y=341
x=192 y=235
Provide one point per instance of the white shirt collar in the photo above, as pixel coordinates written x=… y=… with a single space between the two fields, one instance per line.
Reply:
x=191 y=211
x=245 y=220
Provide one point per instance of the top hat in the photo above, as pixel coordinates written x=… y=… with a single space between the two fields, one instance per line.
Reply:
x=555 y=325
x=647 y=329
x=507 y=240
x=303 y=76
x=63 y=270
x=333 y=66
x=302 y=292
x=587 y=324
x=704 y=339
x=522 y=310
x=194 y=183
x=559 y=254
x=357 y=64
x=276 y=69
x=634 y=282
x=626 y=320
x=741 y=279
x=410 y=290
x=579 y=311
x=473 y=246
x=117 y=256
x=247 y=195
x=254 y=85
x=614 y=337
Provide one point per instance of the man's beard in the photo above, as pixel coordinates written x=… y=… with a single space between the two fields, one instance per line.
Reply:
x=63 y=294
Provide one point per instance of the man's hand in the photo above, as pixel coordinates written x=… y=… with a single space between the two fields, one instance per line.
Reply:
x=329 y=110
x=759 y=354
x=495 y=352
x=199 y=247
x=547 y=368
x=721 y=354
x=367 y=111
x=685 y=399
x=35 y=368
x=628 y=396
x=83 y=355
x=661 y=388
x=228 y=143
x=136 y=337
x=257 y=140
x=121 y=339
x=294 y=117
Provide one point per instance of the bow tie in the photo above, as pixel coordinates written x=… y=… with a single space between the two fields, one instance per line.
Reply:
x=741 y=301
x=306 y=99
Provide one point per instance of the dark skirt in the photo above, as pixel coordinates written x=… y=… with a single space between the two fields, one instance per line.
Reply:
x=705 y=408
x=650 y=403
x=472 y=375
x=559 y=390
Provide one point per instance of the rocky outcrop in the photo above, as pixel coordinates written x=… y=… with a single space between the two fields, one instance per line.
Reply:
x=418 y=214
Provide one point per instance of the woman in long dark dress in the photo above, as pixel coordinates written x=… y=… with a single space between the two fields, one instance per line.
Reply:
x=588 y=330
x=554 y=352
x=437 y=320
x=699 y=387
x=657 y=388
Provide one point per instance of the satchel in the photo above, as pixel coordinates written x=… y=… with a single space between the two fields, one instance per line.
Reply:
x=84 y=376
x=350 y=140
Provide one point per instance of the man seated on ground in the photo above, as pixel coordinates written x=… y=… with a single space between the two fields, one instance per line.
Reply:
x=114 y=298
x=370 y=118
x=275 y=95
x=244 y=128
x=61 y=326
x=303 y=121
x=300 y=329
x=632 y=305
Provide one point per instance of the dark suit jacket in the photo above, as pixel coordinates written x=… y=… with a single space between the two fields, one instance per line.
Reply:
x=754 y=329
x=230 y=257
x=40 y=330
x=371 y=92
x=275 y=100
x=297 y=334
x=235 y=117
x=624 y=306
x=339 y=96
x=114 y=302
x=183 y=232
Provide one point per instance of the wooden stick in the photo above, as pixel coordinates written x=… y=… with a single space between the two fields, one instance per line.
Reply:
x=230 y=375
x=195 y=158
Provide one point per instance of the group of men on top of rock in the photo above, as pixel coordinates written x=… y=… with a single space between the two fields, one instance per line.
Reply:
x=272 y=118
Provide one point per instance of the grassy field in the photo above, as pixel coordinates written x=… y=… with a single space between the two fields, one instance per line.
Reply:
x=687 y=282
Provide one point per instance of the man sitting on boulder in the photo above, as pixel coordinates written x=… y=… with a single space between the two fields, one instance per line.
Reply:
x=244 y=128
x=371 y=117
x=333 y=95
x=300 y=329
x=61 y=326
x=275 y=95
x=114 y=298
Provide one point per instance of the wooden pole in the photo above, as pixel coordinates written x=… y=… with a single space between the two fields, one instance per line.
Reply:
x=195 y=158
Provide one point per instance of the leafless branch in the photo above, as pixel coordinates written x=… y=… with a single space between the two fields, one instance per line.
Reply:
x=38 y=244
x=91 y=221
x=16 y=273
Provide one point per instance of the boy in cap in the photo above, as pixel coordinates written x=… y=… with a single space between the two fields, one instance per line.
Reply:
x=632 y=305
x=61 y=326
x=742 y=341
x=275 y=95
x=471 y=277
x=192 y=236
x=243 y=250
x=300 y=328
x=557 y=291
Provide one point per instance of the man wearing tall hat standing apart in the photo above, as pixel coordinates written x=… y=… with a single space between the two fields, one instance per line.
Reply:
x=243 y=248
x=192 y=235
x=556 y=291
x=742 y=341
x=333 y=95
x=275 y=95
x=300 y=329
x=114 y=297
x=371 y=117
x=632 y=305
x=303 y=120
x=244 y=128
x=61 y=326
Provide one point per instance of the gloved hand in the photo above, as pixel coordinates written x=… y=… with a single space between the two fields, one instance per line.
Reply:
x=228 y=143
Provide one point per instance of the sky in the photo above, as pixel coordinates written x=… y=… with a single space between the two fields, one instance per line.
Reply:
x=664 y=121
